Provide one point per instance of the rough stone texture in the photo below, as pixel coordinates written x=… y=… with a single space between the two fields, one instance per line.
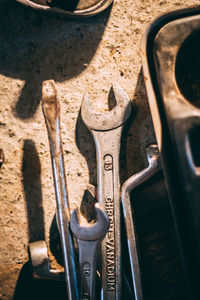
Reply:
x=79 y=55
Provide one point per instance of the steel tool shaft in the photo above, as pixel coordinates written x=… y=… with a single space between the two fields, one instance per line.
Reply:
x=128 y=186
x=51 y=111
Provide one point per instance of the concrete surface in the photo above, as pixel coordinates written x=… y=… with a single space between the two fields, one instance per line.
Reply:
x=79 y=55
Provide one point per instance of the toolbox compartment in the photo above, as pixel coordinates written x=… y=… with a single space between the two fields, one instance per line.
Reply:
x=171 y=65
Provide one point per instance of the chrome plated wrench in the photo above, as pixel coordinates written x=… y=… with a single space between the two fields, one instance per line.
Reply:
x=51 y=111
x=128 y=186
x=106 y=129
x=89 y=239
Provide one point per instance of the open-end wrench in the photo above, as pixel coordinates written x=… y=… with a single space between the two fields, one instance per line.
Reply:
x=88 y=239
x=40 y=261
x=128 y=186
x=51 y=111
x=106 y=129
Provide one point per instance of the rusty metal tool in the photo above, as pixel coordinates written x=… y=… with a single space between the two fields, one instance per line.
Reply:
x=41 y=265
x=51 y=111
x=89 y=239
x=106 y=129
x=128 y=186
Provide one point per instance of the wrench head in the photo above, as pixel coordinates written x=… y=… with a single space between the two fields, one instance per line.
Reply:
x=38 y=254
x=92 y=233
x=109 y=119
x=39 y=258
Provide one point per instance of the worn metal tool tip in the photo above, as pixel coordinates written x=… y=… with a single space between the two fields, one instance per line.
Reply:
x=120 y=96
x=49 y=93
x=87 y=100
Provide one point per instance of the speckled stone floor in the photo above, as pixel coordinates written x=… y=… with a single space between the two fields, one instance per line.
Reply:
x=80 y=55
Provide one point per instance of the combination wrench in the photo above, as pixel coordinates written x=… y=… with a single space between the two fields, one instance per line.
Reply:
x=128 y=186
x=88 y=240
x=106 y=129
x=51 y=111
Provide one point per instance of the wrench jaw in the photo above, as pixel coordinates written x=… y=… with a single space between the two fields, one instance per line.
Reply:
x=109 y=119
x=88 y=240
x=38 y=256
x=97 y=231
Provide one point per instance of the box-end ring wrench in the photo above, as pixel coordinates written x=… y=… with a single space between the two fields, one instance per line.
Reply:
x=88 y=240
x=106 y=129
x=130 y=184
x=51 y=111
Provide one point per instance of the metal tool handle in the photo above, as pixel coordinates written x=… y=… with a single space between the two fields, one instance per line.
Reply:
x=88 y=239
x=109 y=196
x=128 y=186
x=51 y=111
x=87 y=265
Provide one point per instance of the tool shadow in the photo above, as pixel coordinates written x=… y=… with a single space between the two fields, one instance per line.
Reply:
x=31 y=171
x=27 y=287
x=35 y=47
